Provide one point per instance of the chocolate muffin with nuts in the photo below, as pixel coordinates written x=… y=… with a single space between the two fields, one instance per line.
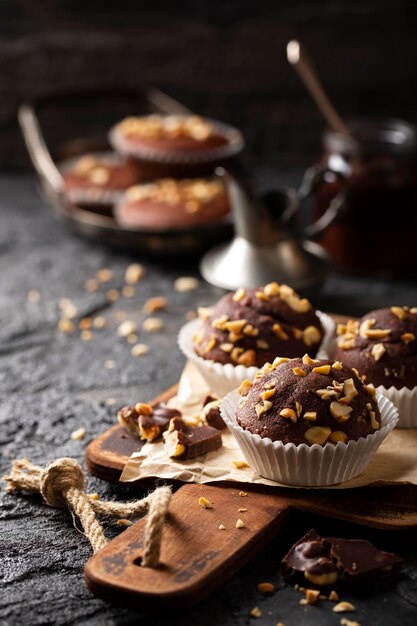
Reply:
x=173 y=204
x=98 y=179
x=382 y=346
x=250 y=327
x=308 y=401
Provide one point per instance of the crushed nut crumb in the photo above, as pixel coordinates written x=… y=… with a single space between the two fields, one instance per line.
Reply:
x=158 y=303
x=266 y=587
x=185 y=284
x=152 y=325
x=104 y=275
x=240 y=464
x=343 y=607
x=204 y=503
x=34 y=295
x=79 y=434
x=134 y=273
x=139 y=349
x=240 y=523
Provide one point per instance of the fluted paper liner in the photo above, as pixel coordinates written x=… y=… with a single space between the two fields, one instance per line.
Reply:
x=394 y=462
x=303 y=465
x=406 y=402
x=223 y=378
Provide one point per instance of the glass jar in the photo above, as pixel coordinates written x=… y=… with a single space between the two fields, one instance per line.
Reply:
x=373 y=173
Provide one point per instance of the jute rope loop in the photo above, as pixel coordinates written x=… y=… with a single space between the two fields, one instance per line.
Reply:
x=62 y=484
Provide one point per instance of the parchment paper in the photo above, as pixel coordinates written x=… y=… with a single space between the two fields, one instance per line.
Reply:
x=394 y=463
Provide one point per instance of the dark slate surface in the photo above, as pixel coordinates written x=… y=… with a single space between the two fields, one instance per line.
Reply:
x=51 y=384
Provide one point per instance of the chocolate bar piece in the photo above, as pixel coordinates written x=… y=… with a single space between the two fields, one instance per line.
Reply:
x=146 y=421
x=187 y=442
x=359 y=561
x=210 y=413
x=323 y=561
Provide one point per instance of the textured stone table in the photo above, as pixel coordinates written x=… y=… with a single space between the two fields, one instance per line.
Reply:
x=53 y=383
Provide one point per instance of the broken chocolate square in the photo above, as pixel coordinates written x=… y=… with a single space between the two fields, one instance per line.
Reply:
x=323 y=561
x=187 y=442
x=146 y=421
x=210 y=413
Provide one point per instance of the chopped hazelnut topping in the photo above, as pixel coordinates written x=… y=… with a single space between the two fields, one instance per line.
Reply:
x=86 y=335
x=104 y=275
x=297 y=333
x=235 y=353
x=204 y=312
x=407 y=337
x=310 y=416
x=371 y=390
x=346 y=344
x=343 y=607
x=243 y=494
x=222 y=527
x=289 y=414
x=338 y=435
x=278 y=361
x=279 y=332
x=262 y=344
x=298 y=408
x=378 y=351
x=337 y=365
x=413 y=310
x=312 y=595
x=261 y=296
x=266 y=587
x=307 y=360
x=240 y=523
x=242 y=510
x=333 y=596
x=321 y=369
x=297 y=304
x=326 y=394
x=244 y=387
x=348 y=622
x=126 y=328
x=311 y=335
x=298 y=371
x=268 y=393
x=239 y=294
x=378 y=333
x=128 y=291
x=91 y=285
x=399 y=312
x=250 y=331
x=349 y=391
x=272 y=289
x=374 y=423
x=248 y=358
x=204 y=503
x=99 y=322
x=260 y=409
x=340 y=412
x=134 y=273
x=255 y=612
x=226 y=347
x=317 y=434
x=220 y=322
x=112 y=295
x=66 y=326
x=124 y=522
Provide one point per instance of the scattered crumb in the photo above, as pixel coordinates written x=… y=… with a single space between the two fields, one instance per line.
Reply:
x=222 y=527
x=333 y=596
x=343 y=607
x=79 y=434
x=109 y=364
x=311 y=596
x=240 y=523
x=68 y=308
x=99 y=322
x=86 y=335
x=104 y=275
x=206 y=504
x=132 y=338
x=155 y=304
x=152 y=325
x=34 y=295
x=124 y=522
x=139 y=349
x=85 y=323
x=111 y=401
x=134 y=273
x=255 y=612
x=190 y=315
x=242 y=510
x=243 y=494
x=240 y=464
x=91 y=285
x=93 y=496
x=266 y=587
x=280 y=624
x=186 y=283
x=120 y=315
x=65 y=326
x=127 y=328
x=128 y=291
x=112 y=295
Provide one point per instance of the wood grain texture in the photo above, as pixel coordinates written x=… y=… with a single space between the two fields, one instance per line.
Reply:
x=197 y=556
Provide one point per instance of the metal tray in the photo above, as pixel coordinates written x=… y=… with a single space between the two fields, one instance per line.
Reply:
x=91 y=222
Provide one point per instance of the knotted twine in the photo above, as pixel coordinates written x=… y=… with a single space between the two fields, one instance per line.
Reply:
x=62 y=483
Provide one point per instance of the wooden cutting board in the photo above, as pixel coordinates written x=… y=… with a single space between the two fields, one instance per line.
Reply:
x=197 y=557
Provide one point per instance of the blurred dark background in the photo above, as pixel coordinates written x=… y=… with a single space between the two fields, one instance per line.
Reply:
x=223 y=59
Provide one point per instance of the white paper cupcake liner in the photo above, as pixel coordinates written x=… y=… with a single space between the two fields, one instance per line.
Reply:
x=303 y=465
x=406 y=402
x=223 y=378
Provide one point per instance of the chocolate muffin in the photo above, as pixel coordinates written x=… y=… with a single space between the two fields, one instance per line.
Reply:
x=173 y=204
x=176 y=145
x=98 y=178
x=308 y=401
x=250 y=327
x=382 y=346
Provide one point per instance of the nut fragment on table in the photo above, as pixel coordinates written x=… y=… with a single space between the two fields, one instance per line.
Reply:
x=134 y=273
x=185 y=284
